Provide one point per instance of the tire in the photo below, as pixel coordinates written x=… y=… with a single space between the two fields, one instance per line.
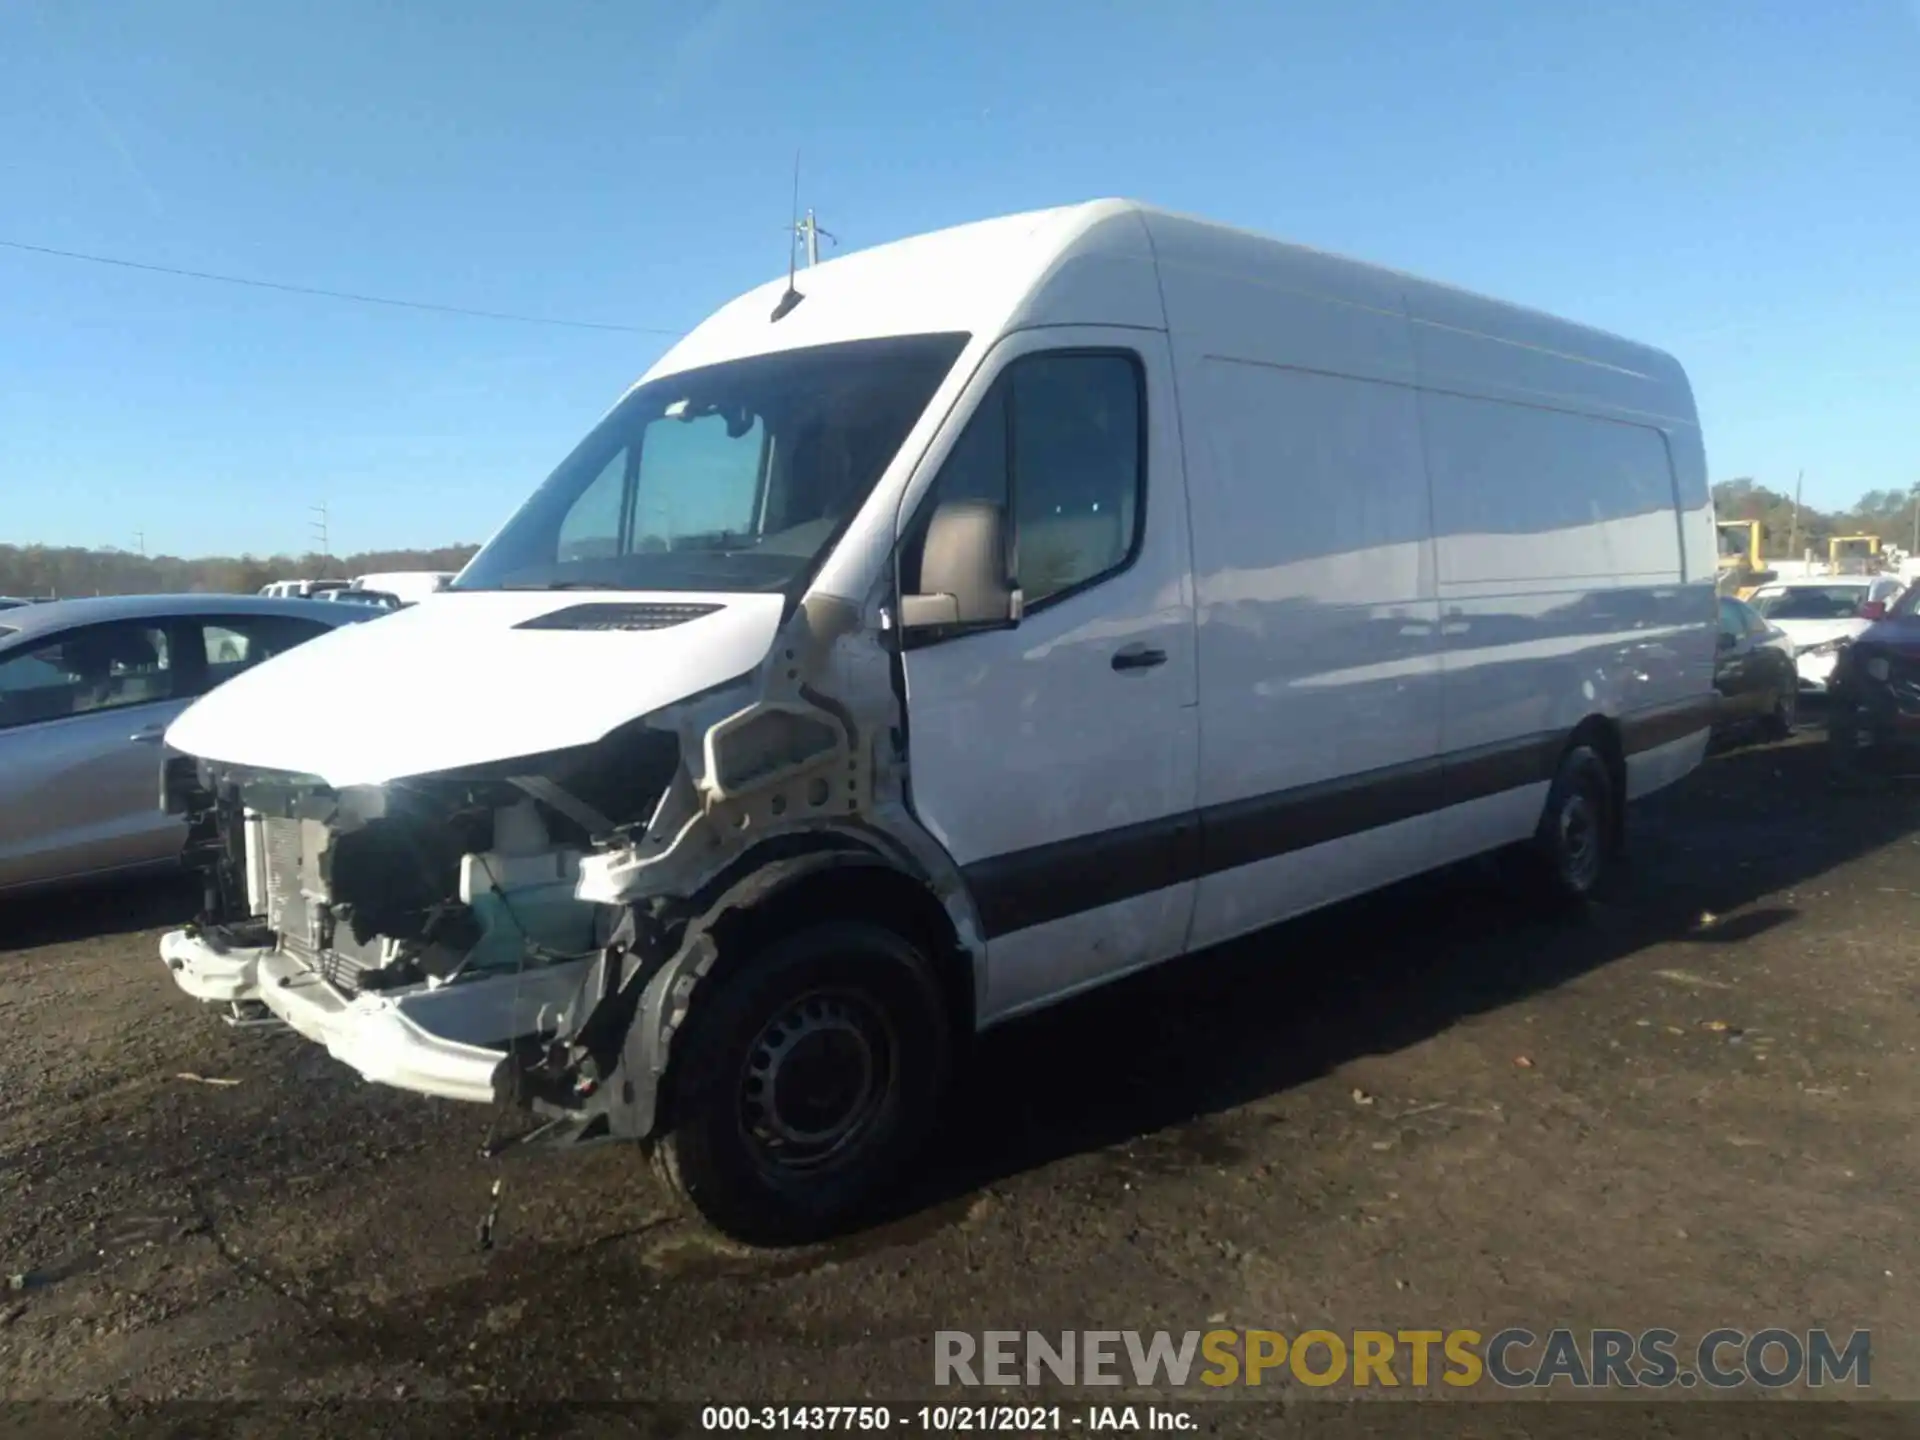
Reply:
x=1785 y=715
x=1574 y=844
x=856 y=1010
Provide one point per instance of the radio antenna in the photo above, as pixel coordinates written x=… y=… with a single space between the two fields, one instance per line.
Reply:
x=793 y=297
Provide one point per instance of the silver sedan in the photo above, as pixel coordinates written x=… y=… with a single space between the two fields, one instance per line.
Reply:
x=87 y=689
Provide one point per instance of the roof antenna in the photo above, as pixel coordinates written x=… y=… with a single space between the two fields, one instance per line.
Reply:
x=793 y=297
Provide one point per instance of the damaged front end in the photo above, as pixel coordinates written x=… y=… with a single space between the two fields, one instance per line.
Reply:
x=531 y=933
x=416 y=928
x=795 y=776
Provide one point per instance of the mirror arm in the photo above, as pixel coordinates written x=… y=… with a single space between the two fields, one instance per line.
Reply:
x=914 y=636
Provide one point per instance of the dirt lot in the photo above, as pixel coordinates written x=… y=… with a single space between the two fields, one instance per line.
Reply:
x=1430 y=1109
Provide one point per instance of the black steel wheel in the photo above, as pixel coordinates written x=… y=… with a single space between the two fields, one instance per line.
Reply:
x=1574 y=843
x=803 y=1084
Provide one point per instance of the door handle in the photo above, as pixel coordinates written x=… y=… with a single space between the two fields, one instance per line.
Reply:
x=1138 y=657
x=152 y=735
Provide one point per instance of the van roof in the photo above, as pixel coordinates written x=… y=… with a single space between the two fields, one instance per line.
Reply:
x=1092 y=263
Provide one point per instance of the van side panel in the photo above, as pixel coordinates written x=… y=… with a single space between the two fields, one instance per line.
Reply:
x=1699 y=546
x=1661 y=764
x=1560 y=591
x=1567 y=540
x=1314 y=586
x=1467 y=344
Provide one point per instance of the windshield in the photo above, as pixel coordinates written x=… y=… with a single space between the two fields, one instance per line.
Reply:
x=736 y=477
x=1907 y=604
x=1811 y=602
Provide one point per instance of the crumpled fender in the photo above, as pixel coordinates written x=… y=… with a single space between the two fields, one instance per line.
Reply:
x=616 y=1037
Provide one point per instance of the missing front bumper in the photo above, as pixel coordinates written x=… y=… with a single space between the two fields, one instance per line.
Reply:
x=446 y=1040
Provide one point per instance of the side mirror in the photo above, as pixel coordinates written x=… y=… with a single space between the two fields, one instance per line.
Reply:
x=964 y=583
x=1874 y=610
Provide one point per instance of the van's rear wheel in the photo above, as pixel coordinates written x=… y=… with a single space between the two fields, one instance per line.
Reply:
x=804 y=1082
x=1574 y=844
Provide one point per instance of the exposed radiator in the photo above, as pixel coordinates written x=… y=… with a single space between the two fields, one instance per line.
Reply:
x=295 y=904
x=286 y=906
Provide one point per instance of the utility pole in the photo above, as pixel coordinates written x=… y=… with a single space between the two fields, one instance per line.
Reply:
x=317 y=524
x=1793 y=529
x=140 y=541
x=809 y=231
x=1916 y=519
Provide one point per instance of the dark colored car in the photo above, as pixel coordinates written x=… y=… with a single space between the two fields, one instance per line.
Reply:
x=1755 y=681
x=1875 y=690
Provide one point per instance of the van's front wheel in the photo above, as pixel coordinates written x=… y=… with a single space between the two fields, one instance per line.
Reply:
x=804 y=1083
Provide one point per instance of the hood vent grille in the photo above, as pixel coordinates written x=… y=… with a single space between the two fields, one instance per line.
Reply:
x=645 y=616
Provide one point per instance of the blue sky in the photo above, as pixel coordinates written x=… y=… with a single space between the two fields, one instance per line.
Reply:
x=1736 y=180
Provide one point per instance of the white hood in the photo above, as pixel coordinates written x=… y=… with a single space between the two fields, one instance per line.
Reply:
x=452 y=682
x=1818 y=632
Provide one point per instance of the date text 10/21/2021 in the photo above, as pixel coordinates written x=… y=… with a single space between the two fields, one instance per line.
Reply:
x=948 y=1419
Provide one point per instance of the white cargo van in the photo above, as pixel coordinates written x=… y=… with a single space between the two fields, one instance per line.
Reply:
x=955 y=627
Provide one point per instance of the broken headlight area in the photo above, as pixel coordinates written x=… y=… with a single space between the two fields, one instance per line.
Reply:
x=432 y=882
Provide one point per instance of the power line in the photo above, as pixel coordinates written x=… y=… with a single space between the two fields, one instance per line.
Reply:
x=332 y=294
x=317 y=525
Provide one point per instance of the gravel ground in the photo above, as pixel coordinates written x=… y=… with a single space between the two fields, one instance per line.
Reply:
x=1694 y=1107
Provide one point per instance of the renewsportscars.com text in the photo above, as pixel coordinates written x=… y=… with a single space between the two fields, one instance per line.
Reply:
x=1513 y=1359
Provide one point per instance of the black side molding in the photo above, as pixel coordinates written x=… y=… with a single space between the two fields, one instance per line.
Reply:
x=1086 y=872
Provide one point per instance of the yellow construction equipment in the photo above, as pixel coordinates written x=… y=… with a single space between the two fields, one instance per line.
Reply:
x=1742 y=566
x=1853 y=554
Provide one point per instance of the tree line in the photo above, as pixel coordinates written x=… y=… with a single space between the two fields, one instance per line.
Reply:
x=65 y=572
x=1888 y=514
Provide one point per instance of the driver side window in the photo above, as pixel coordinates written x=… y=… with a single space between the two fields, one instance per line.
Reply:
x=1058 y=443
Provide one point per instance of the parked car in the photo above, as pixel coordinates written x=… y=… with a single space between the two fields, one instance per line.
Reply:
x=1755 y=680
x=10 y=602
x=408 y=585
x=302 y=589
x=976 y=620
x=374 y=599
x=1821 y=614
x=87 y=688
x=1874 y=700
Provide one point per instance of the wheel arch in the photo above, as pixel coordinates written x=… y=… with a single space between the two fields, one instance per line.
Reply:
x=844 y=880
x=773 y=891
